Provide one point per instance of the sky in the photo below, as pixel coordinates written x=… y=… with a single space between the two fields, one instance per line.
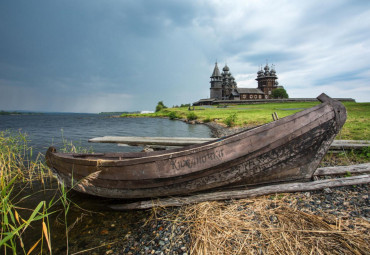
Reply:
x=126 y=55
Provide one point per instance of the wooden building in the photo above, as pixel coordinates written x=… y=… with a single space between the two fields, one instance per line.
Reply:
x=267 y=81
x=250 y=94
x=224 y=86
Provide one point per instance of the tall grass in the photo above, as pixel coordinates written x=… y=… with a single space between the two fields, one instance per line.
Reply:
x=18 y=171
x=72 y=147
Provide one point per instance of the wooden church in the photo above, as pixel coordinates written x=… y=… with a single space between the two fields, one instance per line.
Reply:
x=224 y=86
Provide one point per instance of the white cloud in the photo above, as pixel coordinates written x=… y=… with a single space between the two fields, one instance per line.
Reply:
x=316 y=46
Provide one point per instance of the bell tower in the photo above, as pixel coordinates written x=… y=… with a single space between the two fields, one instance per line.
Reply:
x=216 y=84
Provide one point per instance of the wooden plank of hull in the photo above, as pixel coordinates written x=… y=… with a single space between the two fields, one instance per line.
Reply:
x=171 y=165
x=135 y=141
x=166 y=143
x=266 y=154
x=283 y=166
x=290 y=150
x=246 y=147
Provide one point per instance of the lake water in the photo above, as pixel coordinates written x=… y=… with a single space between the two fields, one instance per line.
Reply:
x=50 y=129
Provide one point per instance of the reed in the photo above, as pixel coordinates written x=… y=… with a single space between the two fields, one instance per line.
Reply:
x=19 y=170
x=73 y=146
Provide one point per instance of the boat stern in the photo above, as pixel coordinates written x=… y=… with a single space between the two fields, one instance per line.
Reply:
x=49 y=155
x=339 y=109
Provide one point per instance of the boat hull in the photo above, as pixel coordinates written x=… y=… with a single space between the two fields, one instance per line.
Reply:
x=289 y=149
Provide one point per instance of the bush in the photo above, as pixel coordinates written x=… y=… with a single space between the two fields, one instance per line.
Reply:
x=191 y=116
x=160 y=106
x=173 y=115
x=206 y=120
x=230 y=120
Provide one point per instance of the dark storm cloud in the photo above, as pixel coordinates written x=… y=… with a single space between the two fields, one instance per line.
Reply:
x=77 y=38
x=128 y=55
x=73 y=46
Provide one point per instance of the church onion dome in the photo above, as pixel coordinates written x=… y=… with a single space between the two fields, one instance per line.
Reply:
x=267 y=72
x=226 y=68
x=260 y=74
x=273 y=72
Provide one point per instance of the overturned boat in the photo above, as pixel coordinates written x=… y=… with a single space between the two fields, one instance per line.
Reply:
x=288 y=149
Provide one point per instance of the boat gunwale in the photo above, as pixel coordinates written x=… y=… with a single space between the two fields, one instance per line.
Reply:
x=189 y=175
x=188 y=150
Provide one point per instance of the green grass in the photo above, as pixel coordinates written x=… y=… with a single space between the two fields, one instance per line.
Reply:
x=18 y=172
x=357 y=126
x=191 y=116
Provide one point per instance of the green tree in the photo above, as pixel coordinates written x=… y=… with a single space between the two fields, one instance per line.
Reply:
x=279 y=93
x=160 y=106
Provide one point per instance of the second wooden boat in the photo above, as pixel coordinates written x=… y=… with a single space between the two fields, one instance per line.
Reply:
x=288 y=149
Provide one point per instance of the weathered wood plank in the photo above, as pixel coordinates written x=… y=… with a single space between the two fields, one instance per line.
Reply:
x=353 y=141
x=353 y=169
x=240 y=194
x=164 y=141
x=185 y=141
x=349 y=144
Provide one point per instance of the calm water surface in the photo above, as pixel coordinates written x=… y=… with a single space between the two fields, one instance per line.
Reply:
x=50 y=129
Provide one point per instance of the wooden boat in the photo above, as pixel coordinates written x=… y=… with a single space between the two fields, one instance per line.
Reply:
x=285 y=150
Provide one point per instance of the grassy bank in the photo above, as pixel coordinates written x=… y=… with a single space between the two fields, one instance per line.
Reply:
x=357 y=126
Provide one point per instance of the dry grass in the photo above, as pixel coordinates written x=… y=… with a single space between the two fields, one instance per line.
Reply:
x=265 y=226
